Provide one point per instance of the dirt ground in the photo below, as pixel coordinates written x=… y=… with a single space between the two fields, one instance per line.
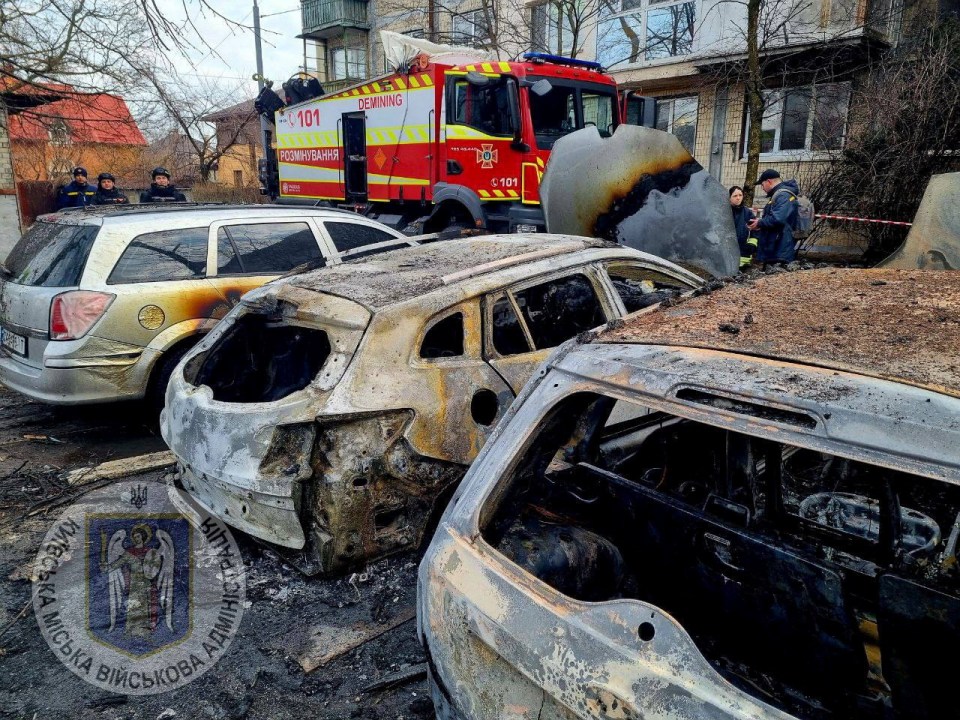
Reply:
x=260 y=676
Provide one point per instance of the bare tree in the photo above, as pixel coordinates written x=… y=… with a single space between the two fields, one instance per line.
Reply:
x=92 y=44
x=178 y=112
x=800 y=43
x=903 y=129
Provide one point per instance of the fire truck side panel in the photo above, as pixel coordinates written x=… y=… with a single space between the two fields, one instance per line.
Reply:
x=398 y=113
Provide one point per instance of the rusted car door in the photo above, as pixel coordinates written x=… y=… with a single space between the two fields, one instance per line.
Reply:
x=524 y=323
x=470 y=396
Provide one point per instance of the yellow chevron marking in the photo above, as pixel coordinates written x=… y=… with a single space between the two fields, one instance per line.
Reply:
x=376 y=87
x=392 y=135
x=400 y=84
x=499 y=193
x=484 y=193
x=487 y=67
x=426 y=80
x=413 y=82
x=504 y=67
x=355 y=92
x=365 y=89
x=540 y=162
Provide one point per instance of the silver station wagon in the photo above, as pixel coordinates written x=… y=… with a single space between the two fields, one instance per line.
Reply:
x=99 y=304
x=743 y=505
x=332 y=412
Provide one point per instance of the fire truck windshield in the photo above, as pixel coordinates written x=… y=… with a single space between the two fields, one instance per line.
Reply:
x=569 y=106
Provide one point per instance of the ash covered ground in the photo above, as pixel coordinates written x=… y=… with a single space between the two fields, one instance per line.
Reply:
x=261 y=675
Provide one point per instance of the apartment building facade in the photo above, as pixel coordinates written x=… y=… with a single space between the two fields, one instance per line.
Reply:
x=690 y=54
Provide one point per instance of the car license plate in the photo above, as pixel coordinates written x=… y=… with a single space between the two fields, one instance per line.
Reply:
x=13 y=342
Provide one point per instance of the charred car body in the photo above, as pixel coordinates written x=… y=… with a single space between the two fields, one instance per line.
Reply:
x=743 y=505
x=330 y=410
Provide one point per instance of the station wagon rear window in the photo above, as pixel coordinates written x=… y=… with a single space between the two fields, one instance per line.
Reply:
x=350 y=236
x=163 y=256
x=265 y=247
x=51 y=255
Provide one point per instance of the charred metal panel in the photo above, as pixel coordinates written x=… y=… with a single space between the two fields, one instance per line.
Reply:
x=642 y=189
x=496 y=639
x=934 y=240
x=371 y=495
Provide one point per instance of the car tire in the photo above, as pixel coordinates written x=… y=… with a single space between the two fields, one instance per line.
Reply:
x=162 y=371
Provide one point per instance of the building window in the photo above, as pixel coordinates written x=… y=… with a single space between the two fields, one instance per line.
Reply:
x=471 y=28
x=808 y=118
x=348 y=63
x=633 y=31
x=679 y=116
x=238 y=178
x=554 y=26
x=59 y=133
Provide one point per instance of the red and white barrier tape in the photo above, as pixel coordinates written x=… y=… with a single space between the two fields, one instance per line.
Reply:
x=868 y=220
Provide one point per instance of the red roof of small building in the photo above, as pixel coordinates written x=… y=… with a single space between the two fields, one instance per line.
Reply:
x=90 y=118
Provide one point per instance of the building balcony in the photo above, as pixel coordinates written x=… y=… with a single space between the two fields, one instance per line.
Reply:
x=321 y=19
x=334 y=86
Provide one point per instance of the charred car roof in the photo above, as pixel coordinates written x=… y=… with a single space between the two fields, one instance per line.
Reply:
x=396 y=276
x=897 y=325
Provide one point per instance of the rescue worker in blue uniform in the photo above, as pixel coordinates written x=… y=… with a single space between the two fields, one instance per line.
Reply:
x=78 y=193
x=107 y=192
x=774 y=229
x=161 y=189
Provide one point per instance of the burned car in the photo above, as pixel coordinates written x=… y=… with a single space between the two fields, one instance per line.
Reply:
x=331 y=410
x=743 y=505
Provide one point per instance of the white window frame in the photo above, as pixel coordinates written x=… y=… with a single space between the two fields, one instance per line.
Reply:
x=348 y=64
x=464 y=29
x=774 y=109
x=671 y=118
x=641 y=9
x=556 y=34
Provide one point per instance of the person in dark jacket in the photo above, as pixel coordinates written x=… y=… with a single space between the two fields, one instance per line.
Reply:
x=161 y=189
x=775 y=227
x=78 y=193
x=742 y=215
x=107 y=193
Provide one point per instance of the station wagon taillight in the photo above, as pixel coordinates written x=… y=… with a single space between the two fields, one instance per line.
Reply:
x=73 y=313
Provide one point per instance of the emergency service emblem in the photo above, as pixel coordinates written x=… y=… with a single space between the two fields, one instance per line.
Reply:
x=137 y=590
x=487 y=156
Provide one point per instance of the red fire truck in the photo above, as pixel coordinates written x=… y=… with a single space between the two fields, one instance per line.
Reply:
x=441 y=145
